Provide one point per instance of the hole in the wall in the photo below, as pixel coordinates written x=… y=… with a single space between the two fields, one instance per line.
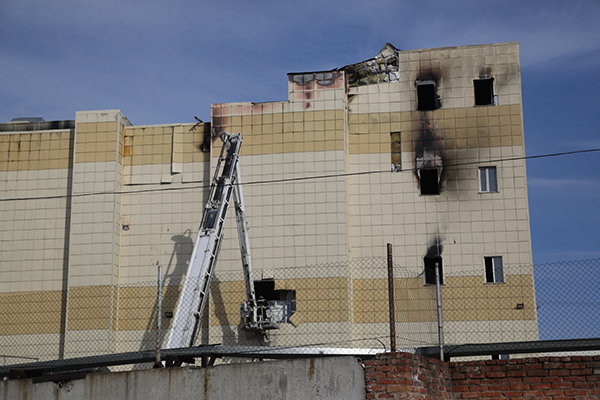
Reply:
x=430 y=262
x=484 y=91
x=429 y=181
x=285 y=300
x=427 y=97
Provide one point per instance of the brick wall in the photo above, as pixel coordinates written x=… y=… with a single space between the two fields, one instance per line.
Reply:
x=408 y=376
x=532 y=378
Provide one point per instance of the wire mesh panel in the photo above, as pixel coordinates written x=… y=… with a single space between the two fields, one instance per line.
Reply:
x=335 y=305
x=568 y=299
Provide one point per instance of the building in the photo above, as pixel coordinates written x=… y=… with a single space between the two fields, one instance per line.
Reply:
x=421 y=148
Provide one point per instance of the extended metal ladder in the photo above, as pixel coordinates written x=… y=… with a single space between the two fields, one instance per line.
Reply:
x=196 y=286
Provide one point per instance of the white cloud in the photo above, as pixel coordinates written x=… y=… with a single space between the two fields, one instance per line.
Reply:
x=565 y=184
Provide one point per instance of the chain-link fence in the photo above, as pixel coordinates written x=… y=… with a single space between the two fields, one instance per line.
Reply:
x=336 y=305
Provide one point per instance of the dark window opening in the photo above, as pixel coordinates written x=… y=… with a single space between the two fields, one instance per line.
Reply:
x=429 y=181
x=484 y=91
x=427 y=97
x=266 y=294
x=396 y=150
x=494 y=272
x=430 y=262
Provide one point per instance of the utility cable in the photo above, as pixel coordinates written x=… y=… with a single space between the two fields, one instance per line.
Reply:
x=303 y=178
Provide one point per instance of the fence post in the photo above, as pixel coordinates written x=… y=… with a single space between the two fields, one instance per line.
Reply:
x=391 y=298
x=439 y=310
x=157 y=362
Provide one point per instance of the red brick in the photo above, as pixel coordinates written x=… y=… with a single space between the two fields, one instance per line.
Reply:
x=495 y=374
x=583 y=385
x=375 y=375
x=560 y=372
x=478 y=388
x=531 y=380
x=553 y=393
x=541 y=386
x=460 y=388
x=491 y=394
x=511 y=394
x=516 y=374
x=562 y=385
x=593 y=364
x=574 y=365
x=471 y=395
x=385 y=368
x=540 y=372
x=399 y=388
x=552 y=365
x=385 y=396
x=404 y=381
x=574 y=378
x=530 y=367
x=575 y=392
x=519 y=386
x=533 y=393
x=475 y=376
x=553 y=379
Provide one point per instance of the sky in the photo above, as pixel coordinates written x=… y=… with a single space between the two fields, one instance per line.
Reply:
x=165 y=62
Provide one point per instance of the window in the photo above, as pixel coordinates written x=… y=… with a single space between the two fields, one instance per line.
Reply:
x=427 y=98
x=484 y=91
x=493 y=270
x=396 y=150
x=488 y=181
x=430 y=262
x=429 y=181
x=283 y=300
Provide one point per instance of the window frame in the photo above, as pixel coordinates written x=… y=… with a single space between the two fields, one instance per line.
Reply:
x=494 y=269
x=430 y=261
x=396 y=150
x=478 y=88
x=427 y=95
x=428 y=181
x=480 y=179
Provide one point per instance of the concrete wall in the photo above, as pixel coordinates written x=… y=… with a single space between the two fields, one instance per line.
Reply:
x=324 y=378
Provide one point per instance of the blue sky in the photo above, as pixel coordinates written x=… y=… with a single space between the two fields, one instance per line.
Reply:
x=167 y=61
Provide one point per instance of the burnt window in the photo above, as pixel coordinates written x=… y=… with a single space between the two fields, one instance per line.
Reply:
x=493 y=270
x=427 y=98
x=396 y=150
x=430 y=262
x=266 y=295
x=429 y=181
x=484 y=91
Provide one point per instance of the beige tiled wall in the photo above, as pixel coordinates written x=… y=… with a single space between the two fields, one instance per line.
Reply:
x=34 y=169
x=318 y=188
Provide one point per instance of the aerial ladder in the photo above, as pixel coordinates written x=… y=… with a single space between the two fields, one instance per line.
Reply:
x=256 y=315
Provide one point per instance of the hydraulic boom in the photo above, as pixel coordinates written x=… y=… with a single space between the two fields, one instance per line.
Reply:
x=196 y=286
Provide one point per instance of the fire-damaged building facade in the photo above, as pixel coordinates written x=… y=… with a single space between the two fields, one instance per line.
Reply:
x=422 y=149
